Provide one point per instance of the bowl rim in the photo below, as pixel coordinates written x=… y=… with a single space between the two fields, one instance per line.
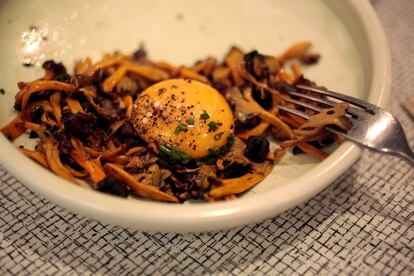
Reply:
x=165 y=217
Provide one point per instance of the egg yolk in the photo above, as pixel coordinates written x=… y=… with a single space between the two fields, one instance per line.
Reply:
x=187 y=114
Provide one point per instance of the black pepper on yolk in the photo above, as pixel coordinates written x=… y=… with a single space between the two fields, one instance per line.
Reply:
x=186 y=114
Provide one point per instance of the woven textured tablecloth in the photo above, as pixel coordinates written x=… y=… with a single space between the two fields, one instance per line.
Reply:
x=361 y=224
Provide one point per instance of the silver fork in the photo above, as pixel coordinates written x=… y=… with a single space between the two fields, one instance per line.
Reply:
x=373 y=127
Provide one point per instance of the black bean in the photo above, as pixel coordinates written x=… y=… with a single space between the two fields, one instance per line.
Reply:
x=235 y=170
x=257 y=148
x=33 y=134
x=113 y=186
x=265 y=102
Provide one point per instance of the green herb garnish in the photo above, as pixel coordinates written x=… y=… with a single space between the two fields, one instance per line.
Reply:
x=212 y=126
x=173 y=154
x=180 y=127
x=190 y=121
x=218 y=136
x=2 y=91
x=215 y=152
x=204 y=115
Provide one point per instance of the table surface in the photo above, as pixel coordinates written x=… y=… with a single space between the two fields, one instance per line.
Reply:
x=361 y=224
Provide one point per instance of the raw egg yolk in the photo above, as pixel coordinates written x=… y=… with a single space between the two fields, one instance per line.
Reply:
x=187 y=114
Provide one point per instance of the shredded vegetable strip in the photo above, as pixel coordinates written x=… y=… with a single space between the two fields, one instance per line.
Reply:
x=55 y=102
x=295 y=51
x=257 y=130
x=139 y=188
x=129 y=105
x=32 y=126
x=238 y=185
x=233 y=61
x=104 y=154
x=74 y=105
x=52 y=156
x=93 y=167
x=134 y=150
x=191 y=74
x=14 y=128
x=41 y=85
x=311 y=150
x=38 y=156
x=151 y=73
x=76 y=173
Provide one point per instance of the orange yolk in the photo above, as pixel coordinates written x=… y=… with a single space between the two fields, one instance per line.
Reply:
x=187 y=114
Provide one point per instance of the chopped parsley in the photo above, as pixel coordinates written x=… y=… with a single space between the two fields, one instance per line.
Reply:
x=212 y=126
x=204 y=115
x=180 y=127
x=173 y=154
x=218 y=136
x=215 y=152
x=190 y=121
x=2 y=91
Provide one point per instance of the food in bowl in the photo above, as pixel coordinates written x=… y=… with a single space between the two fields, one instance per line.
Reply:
x=129 y=125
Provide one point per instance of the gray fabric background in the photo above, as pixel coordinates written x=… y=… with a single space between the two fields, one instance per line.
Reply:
x=361 y=224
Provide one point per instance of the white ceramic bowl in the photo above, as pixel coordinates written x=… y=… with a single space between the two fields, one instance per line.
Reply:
x=355 y=60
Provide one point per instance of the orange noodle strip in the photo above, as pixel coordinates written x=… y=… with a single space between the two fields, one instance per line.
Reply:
x=76 y=173
x=134 y=150
x=14 y=128
x=85 y=66
x=256 y=131
x=32 y=126
x=55 y=99
x=51 y=150
x=298 y=120
x=199 y=66
x=150 y=73
x=129 y=105
x=285 y=76
x=37 y=156
x=233 y=61
x=47 y=120
x=246 y=103
x=238 y=185
x=139 y=188
x=289 y=121
x=93 y=167
x=120 y=159
x=41 y=85
x=297 y=72
x=311 y=150
x=190 y=74
x=104 y=154
x=249 y=77
x=110 y=145
x=167 y=67
x=295 y=51
x=74 y=105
